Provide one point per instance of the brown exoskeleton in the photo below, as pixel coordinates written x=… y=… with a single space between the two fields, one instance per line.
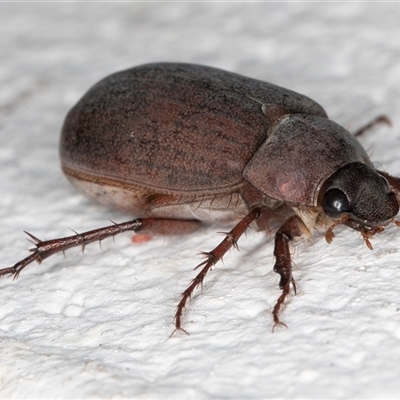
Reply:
x=178 y=145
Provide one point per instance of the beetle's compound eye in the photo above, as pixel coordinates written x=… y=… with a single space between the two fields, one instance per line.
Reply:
x=335 y=202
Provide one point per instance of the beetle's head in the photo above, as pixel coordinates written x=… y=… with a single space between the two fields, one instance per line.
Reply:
x=361 y=198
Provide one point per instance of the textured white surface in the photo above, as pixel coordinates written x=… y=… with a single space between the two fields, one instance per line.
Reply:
x=98 y=325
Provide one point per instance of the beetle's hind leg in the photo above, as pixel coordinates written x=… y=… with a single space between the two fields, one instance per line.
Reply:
x=292 y=228
x=381 y=119
x=213 y=257
x=152 y=226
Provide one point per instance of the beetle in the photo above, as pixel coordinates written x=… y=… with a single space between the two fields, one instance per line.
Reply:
x=179 y=145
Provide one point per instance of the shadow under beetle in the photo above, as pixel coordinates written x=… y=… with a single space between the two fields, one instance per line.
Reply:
x=178 y=145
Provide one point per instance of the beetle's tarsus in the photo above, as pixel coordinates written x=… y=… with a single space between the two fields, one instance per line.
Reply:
x=16 y=269
x=179 y=330
x=278 y=324
x=278 y=306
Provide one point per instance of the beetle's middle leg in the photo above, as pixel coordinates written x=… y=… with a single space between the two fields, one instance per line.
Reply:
x=213 y=257
x=283 y=266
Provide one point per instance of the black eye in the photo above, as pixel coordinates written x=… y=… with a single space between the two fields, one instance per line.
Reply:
x=335 y=202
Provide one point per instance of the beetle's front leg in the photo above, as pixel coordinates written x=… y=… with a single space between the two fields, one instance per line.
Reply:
x=292 y=228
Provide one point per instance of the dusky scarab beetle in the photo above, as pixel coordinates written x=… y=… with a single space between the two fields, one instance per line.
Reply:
x=178 y=145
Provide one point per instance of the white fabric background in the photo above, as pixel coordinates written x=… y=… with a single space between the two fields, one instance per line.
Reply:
x=98 y=325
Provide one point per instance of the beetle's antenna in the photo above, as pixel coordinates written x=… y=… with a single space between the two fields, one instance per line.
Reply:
x=329 y=235
x=366 y=234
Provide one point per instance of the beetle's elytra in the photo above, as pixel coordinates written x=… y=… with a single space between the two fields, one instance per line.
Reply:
x=177 y=145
